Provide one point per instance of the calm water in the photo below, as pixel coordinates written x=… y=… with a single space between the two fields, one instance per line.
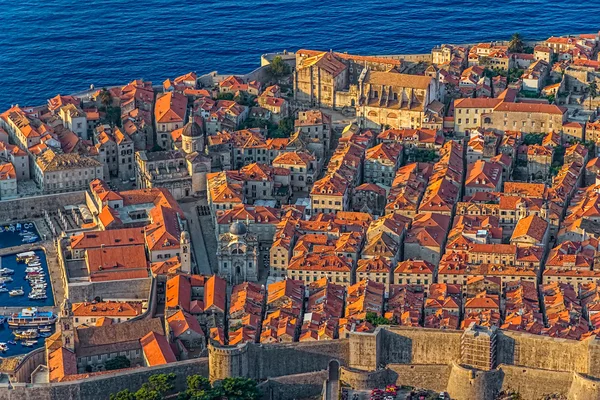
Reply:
x=47 y=47
x=21 y=301
x=9 y=238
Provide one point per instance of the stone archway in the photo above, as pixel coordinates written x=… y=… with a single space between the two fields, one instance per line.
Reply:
x=334 y=370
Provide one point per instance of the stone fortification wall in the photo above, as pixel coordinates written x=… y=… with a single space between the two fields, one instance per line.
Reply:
x=434 y=377
x=419 y=346
x=583 y=388
x=309 y=385
x=28 y=364
x=33 y=207
x=100 y=387
x=132 y=289
x=467 y=384
x=365 y=380
x=543 y=352
x=266 y=361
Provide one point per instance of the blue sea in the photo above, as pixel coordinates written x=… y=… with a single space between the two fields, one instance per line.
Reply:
x=63 y=46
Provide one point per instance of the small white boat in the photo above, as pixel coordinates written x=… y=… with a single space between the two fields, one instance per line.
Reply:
x=3 y=347
x=17 y=292
x=5 y=279
x=6 y=271
x=23 y=257
x=31 y=269
x=19 y=226
x=3 y=290
x=27 y=225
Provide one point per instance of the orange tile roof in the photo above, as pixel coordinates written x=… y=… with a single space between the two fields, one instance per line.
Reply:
x=157 y=350
x=532 y=226
x=414 y=267
x=107 y=309
x=7 y=171
x=530 y=108
x=61 y=363
x=170 y=107
x=181 y=322
x=124 y=262
x=215 y=294
x=109 y=238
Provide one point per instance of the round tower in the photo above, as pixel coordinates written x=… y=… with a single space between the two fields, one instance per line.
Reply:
x=228 y=362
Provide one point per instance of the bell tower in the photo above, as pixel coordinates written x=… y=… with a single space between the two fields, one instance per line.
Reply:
x=186 y=262
x=65 y=325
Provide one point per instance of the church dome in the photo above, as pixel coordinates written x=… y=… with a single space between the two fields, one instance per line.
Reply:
x=192 y=129
x=238 y=229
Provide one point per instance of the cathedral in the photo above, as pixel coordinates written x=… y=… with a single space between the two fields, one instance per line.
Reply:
x=238 y=254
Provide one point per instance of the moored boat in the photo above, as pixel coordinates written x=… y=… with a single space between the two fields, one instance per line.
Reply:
x=27 y=334
x=22 y=257
x=17 y=292
x=6 y=271
x=31 y=317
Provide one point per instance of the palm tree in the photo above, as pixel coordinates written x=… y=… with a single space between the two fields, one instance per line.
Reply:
x=592 y=90
x=516 y=43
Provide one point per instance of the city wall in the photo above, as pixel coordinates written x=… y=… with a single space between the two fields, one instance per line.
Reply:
x=33 y=207
x=267 y=361
x=132 y=289
x=100 y=387
x=293 y=387
x=532 y=365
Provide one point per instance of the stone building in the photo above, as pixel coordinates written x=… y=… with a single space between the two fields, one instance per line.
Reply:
x=317 y=79
x=169 y=115
x=75 y=120
x=57 y=173
x=525 y=117
x=237 y=253
x=183 y=172
x=8 y=181
x=381 y=163
x=395 y=100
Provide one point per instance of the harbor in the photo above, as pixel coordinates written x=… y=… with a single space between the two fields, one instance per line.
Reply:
x=25 y=287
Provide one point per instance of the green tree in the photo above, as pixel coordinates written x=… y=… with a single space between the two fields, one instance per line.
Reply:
x=123 y=395
x=592 y=90
x=375 y=319
x=145 y=393
x=239 y=389
x=199 y=388
x=516 y=43
x=278 y=67
x=198 y=382
x=113 y=116
x=105 y=97
x=118 y=362
x=225 y=96
x=162 y=383
x=533 y=138
x=286 y=126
